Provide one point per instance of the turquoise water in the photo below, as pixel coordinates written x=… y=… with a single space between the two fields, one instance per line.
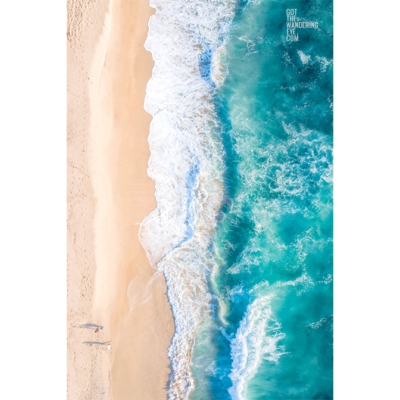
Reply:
x=270 y=335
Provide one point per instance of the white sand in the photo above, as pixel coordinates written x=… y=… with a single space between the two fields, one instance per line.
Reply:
x=109 y=193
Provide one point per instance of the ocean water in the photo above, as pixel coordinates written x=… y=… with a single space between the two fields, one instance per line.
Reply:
x=241 y=154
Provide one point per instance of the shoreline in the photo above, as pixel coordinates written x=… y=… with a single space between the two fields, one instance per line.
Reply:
x=117 y=287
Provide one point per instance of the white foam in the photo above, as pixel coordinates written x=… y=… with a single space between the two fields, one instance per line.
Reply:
x=322 y=322
x=324 y=63
x=303 y=57
x=219 y=70
x=249 y=257
x=326 y=279
x=185 y=162
x=256 y=340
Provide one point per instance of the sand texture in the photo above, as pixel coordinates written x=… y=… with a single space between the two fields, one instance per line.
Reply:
x=110 y=282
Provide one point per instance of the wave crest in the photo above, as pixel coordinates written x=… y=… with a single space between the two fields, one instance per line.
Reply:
x=186 y=163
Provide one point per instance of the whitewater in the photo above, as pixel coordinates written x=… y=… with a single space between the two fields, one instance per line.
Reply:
x=186 y=163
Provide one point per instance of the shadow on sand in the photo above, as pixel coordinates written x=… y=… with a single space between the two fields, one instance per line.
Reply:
x=100 y=343
x=88 y=326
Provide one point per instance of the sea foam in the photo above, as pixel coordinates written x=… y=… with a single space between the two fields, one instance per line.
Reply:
x=186 y=163
x=257 y=339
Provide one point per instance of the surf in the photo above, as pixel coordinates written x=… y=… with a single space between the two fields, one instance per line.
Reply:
x=186 y=164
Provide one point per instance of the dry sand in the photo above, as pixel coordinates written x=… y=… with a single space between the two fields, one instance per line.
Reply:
x=110 y=282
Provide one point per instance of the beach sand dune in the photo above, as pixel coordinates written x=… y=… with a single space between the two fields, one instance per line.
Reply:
x=110 y=282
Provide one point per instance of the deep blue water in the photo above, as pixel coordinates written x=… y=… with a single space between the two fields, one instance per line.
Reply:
x=271 y=333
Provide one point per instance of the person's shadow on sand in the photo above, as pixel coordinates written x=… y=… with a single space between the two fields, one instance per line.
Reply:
x=87 y=326
x=101 y=343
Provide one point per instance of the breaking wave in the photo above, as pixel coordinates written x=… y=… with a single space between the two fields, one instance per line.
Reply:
x=186 y=40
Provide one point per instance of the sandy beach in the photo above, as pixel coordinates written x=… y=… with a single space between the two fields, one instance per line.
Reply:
x=110 y=281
